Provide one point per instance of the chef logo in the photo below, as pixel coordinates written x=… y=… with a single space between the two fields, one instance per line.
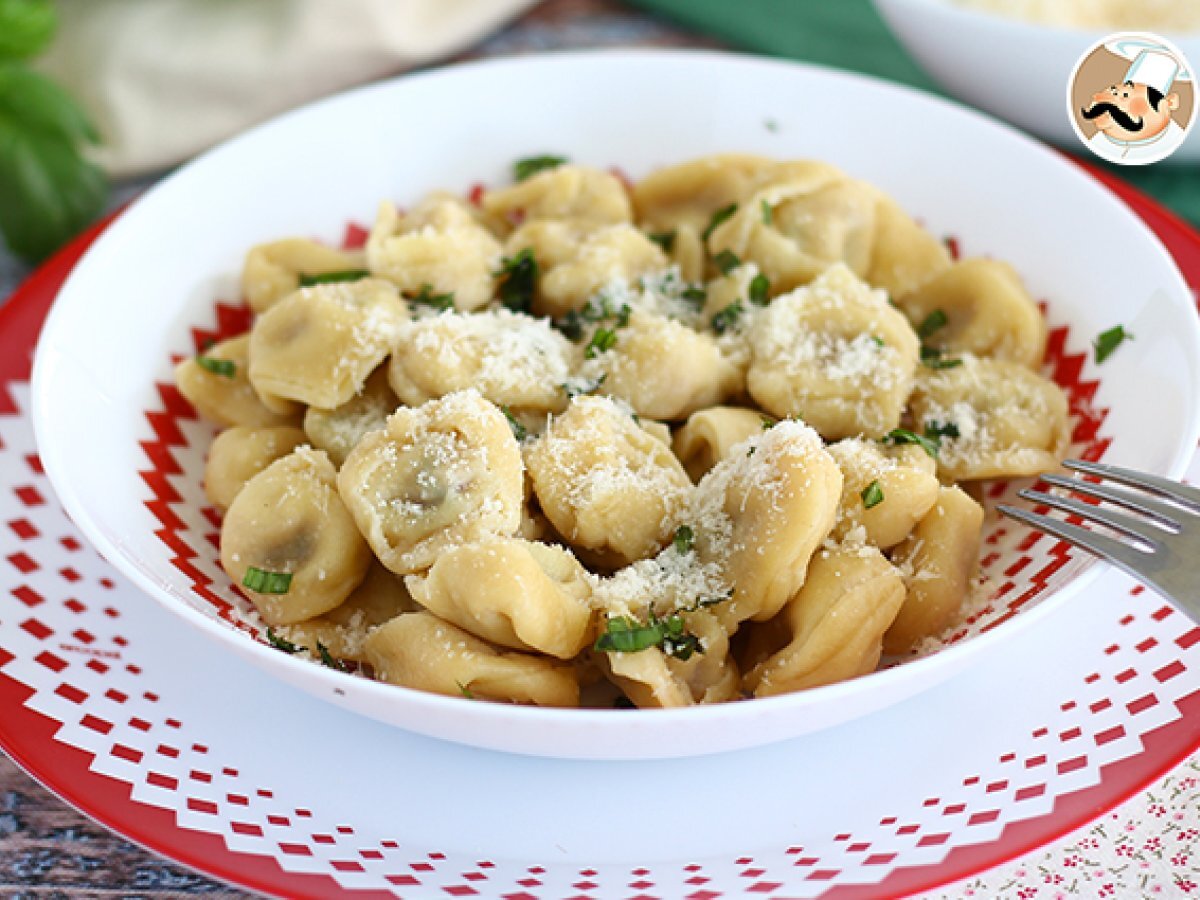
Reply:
x=1132 y=100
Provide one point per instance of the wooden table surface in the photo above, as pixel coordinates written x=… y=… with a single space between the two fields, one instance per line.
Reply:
x=47 y=849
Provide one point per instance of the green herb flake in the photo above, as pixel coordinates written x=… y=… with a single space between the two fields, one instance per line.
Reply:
x=664 y=239
x=684 y=540
x=898 y=436
x=767 y=423
x=872 y=495
x=725 y=319
x=935 y=431
x=771 y=125
x=1108 y=341
x=603 y=340
x=933 y=358
x=263 y=582
x=624 y=635
x=695 y=295
x=721 y=215
x=327 y=658
x=464 y=690
x=768 y=215
x=333 y=277
x=531 y=165
x=226 y=368
x=878 y=341
x=934 y=321
x=577 y=390
x=517 y=279
x=440 y=302
x=280 y=643
x=760 y=287
x=726 y=261
x=520 y=432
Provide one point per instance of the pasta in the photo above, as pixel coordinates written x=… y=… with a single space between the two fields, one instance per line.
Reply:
x=690 y=440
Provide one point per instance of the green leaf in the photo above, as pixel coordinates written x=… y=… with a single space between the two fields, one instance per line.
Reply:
x=48 y=191
x=872 y=495
x=280 y=643
x=624 y=635
x=768 y=214
x=725 y=319
x=464 y=690
x=327 y=659
x=440 y=302
x=664 y=239
x=602 y=341
x=580 y=387
x=935 y=320
x=935 y=430
x=333 y=277
x=1108 y=341
x=520 y=432
x=226 y=368
x=26 y=28
x=263 y=582
x=523 y=168
x=695 y=295
x=760 y=287
x=721 y=215
x=684 y=540
x=517 y=279
x=898 y=436
x=932 y=358
x=726 y=261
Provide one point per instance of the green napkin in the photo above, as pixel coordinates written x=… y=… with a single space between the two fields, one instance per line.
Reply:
x=849 y=34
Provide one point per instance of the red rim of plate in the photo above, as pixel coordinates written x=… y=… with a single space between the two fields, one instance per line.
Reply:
x=27 y=736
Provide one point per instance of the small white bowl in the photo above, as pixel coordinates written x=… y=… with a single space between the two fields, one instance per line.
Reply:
x=1012 y=68
x=126 y=456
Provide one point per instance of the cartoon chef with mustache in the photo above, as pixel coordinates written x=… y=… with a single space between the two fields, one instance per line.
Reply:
x=1134 y=118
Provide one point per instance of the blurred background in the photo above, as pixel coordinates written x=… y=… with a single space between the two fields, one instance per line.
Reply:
x=101 y=98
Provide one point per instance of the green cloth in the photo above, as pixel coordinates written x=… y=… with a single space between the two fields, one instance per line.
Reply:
x=849 y=34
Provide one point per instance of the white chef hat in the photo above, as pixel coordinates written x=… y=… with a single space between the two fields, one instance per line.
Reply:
x=1152 y=64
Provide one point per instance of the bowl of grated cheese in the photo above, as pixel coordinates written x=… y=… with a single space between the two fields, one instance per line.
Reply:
x=1014 y=58
x=126 y=451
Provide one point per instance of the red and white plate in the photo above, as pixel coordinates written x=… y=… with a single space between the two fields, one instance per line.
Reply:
x=175 y=743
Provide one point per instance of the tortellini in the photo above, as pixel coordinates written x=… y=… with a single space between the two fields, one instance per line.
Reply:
x=711 y=434
x=514 y=593
x=607 y=485
x=695 y=437
x=986 y=309
x=510 y=359
x=438 y=248
x=217 y=383
x=886 y=491
x=318 y=345
x=835 y=354
x=239 y=453
x=663 y=369
x=564 y=193
x=940 y=556
x=337 y=431
x=421 y=651
x=441 y=474
x=289 y=524
x=999 y=419
x=274 y=270
x=835 y=623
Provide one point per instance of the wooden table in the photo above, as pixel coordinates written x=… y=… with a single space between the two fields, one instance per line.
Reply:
x=46 y=848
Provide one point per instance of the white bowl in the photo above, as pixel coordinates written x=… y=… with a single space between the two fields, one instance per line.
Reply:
x=1012 y=68
x=126 y=457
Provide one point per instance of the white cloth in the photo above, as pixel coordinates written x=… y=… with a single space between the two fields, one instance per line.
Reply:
x=1138 y=153
x=164 y=79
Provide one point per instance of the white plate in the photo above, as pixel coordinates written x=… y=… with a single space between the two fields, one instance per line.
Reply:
x=180 y=746
x=103 y=399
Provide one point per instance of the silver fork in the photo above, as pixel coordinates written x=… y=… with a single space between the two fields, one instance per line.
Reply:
x=1160 y=545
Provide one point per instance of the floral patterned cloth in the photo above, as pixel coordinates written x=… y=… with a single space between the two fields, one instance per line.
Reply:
x=1147 y=848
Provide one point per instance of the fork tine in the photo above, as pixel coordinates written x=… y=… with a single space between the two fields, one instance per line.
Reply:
x=1099 y=545
x=1146 y=505
x=1126 y=525
x=1186 y=495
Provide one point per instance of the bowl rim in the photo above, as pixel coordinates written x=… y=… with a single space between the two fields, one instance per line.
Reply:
x=56 y=462
x=1019 y=24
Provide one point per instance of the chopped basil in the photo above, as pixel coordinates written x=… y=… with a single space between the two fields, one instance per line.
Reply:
x=724 y=320
x=877 y=340
x=726 y=261
x=280 y=643
x=767 y=213
x=935 y=431
x=603 y=340
x=684 y=540
x=440 y=302
x=1108 y=341
x=624 y=635
x=767 y=423
x=932 y=358
x=464 y=690
x=721 y=215
x=520 y=432
x=226 y=368
x=935 y=320
x=263 y=582
x=331 y=277
x=664 y=239
x=696 y=295
x=327 y=658
x=518 y=277
x=898 y=436
x=578 y=389
x=571 y=325
x=597 y=309
x=759 y=288
x=523 y=168
x=872 y=495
